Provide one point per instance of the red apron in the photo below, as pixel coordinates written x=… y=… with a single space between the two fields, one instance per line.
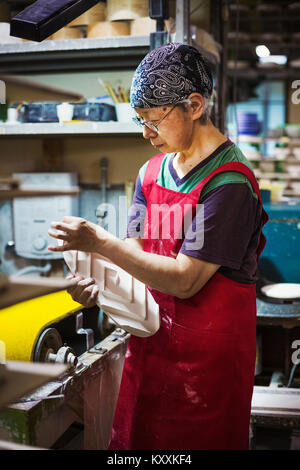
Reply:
x=190 y=385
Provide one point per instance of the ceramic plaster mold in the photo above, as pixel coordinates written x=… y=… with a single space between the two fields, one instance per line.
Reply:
x=123 y=298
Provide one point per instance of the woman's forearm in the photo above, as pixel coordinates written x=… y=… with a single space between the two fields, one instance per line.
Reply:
x=157 y=271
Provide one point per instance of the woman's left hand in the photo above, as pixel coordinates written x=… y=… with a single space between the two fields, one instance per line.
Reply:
x=78 y=234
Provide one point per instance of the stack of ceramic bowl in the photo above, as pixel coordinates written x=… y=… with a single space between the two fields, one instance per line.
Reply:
x=296 y=152
x=293 y=131
x=248 y=123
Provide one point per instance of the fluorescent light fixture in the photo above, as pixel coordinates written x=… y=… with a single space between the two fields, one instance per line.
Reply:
x=262 y=51
x=274 y=59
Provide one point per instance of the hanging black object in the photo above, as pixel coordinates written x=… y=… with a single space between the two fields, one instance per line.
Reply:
x=43 y=18
x=159 y=11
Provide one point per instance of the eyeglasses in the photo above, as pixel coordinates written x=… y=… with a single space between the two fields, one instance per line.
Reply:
x=153 y=127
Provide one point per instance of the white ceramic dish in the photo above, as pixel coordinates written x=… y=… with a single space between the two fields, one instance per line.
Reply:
x=293 y=170
x=282 y=291
x=281 y=153
x=296 y=187
x=293 y=131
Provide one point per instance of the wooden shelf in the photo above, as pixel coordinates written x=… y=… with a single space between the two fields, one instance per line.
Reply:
x=291 y=193
x=285 y=176
x=261 y=140
x=120 y=52
x=267 y=159
x=6 y=194
x=69 y=128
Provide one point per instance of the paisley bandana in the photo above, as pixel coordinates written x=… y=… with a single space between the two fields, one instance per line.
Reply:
x=169 y=74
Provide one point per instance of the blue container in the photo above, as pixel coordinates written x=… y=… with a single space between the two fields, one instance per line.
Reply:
x=280 y=259
x=265 y=195
x=248 y=123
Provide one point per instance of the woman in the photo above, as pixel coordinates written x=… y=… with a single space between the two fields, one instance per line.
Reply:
x=189 y=386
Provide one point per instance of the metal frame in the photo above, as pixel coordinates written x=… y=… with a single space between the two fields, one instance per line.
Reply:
x=219 y=30
x=183 y=21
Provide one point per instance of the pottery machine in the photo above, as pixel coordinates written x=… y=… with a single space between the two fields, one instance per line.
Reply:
x=53 y=329
x=276 y=399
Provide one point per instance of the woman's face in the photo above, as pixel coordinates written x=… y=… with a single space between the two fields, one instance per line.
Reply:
x=174 y=132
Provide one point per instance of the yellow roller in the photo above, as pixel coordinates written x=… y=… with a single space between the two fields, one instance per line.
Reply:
x=22 y=323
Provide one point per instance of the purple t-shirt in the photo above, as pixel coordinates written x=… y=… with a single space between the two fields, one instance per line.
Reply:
x=232 y=221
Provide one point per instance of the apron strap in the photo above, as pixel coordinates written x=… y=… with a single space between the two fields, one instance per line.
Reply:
x=231 y=166
x=152 y=171
x=245 y=170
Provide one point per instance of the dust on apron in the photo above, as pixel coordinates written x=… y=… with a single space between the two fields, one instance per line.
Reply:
x=190 y=385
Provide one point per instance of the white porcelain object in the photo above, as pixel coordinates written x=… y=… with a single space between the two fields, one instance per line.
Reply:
x=12 y=116
x=296 y=187
x=293 y=131
x=124 y=112
x=293 y=170
x=64 y=112
x=296 y=152
x=267 y=166
x=123 y=298
x=282 y=291
x=281 y=153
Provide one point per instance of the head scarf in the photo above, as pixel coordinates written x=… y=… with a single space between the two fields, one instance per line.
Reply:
x=169 y=74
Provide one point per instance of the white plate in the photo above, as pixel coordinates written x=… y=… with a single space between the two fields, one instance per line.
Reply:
x=282 y=291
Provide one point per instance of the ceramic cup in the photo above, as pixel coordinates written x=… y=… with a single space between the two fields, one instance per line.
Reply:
x=12 y=116
x=124 y=112
x=64 y=112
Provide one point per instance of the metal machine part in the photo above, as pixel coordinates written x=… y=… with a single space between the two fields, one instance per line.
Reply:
x=183 y=21
x=88 y=332
x=101 y=211
x=159 y=11
x=50 y=347
x=65 y=355
x=48 y=343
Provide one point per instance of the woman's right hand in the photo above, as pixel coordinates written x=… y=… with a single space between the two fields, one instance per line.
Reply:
x=85 y=291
